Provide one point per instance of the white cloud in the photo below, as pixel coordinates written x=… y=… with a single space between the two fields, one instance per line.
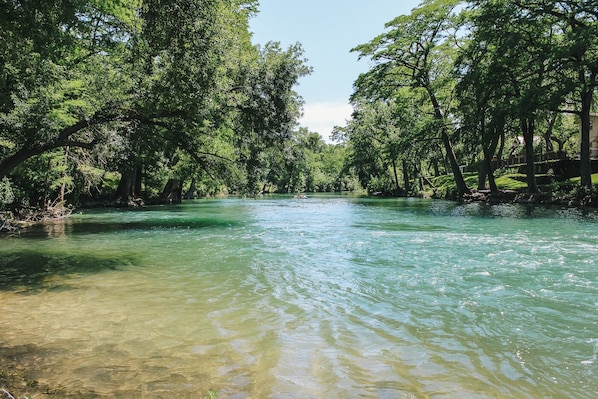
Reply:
x=322 y=117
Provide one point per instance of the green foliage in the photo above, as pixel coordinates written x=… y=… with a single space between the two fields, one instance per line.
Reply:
x=305 y=163
x=577 y=180
x=514 y=70
x=211 y=394
x=105 y=98
x=417 y=52
x=7 y=195
x=152 y=90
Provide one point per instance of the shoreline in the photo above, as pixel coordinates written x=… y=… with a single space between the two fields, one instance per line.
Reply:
x=19 y=217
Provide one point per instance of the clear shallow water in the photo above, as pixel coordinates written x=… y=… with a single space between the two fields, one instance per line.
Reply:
x=329 y=297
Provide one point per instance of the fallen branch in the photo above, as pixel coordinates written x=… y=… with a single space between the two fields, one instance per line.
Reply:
x=6 y=393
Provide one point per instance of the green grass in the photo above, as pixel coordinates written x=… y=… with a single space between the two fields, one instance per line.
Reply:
x=577 y=180
x=514 y=181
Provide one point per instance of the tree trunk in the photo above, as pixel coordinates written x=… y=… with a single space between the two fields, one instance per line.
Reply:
x=47 y=183
x=191 y=193
x=396 y=177
x=489 y=149
x=489 y=171
x=482 y=173
x=501 y=147
x=548 y=133
x=434 y=163
x=406 y=181
x=172 y=192
x=64 y=174
x=528 y=127
x=138 y=181
x=126 y=186
x=63 y=139
x=462 y=188
x=9 y=163
x=586 y=163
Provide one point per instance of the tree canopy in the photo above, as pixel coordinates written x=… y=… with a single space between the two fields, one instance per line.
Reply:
x=483 y=74
x=125 y=99
x=140 y=88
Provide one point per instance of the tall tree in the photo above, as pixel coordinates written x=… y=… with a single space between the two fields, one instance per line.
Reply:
x=154 y=78
x=509 y=72
x=382 y=136
x=176 y=61
x=59 y=62
x=418 y=52
x=268 y=108
x=576 y=22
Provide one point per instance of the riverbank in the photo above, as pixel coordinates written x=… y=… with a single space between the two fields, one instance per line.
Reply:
x=17 y=217
x=541 y=199
x=20 y=216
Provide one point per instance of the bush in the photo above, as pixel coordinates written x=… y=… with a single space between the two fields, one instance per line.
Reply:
x=7 y=195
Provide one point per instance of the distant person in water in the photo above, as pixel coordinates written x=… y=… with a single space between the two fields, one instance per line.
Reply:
x=301 y=196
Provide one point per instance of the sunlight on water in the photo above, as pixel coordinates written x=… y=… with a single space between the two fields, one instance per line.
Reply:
x=329 y=297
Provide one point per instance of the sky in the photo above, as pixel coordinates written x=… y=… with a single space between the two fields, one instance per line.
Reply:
x=327 y=30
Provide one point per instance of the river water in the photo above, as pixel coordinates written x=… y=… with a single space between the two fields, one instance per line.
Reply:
x=325 y=297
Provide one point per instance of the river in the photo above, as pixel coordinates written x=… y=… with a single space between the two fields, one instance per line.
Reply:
x=325 y=297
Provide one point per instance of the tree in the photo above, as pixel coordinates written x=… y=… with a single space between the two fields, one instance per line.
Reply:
x=379 y=134
x=511 y=72
x=418 y=52
x=576 y=51
x=267 y=106
x=59 y=61
x=144 y=81
x=180 y=53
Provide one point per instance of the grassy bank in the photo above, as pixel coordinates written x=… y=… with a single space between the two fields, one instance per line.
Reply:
x=514 y=185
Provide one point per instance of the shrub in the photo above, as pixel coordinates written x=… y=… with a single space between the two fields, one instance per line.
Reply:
x=7 y=195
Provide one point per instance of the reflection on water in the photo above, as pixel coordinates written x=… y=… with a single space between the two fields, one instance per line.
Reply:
x=325 y=297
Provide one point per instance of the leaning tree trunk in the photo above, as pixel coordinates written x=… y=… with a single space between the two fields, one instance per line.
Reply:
x=64 y=176
x=548 y=133
x=489 y=171
x=172 y=192
x=396 y=177
x=482 y=173
x=462 y=188
x=501 y=147
x=9 y=163
x=191 y=193
x=489 y=149
x=138 y=180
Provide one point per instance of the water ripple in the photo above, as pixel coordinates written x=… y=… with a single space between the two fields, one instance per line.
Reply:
x=324 y=297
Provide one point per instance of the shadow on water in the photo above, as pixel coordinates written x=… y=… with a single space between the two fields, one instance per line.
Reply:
x=479 y=209
x=33 y=269
x=81 y=226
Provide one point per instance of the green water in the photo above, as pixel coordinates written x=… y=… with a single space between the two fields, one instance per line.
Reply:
x=328 y=297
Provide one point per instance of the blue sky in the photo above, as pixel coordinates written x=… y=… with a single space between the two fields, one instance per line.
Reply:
x=327 y=29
